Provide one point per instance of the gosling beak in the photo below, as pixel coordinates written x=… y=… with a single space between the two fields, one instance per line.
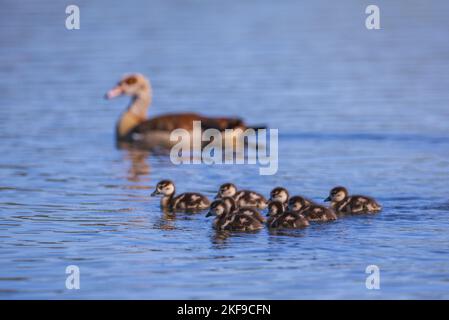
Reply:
x=113 y=93
x=209 y=214
x=217 y=196
x=327 y=199
x=154 y=193
x=268 y=214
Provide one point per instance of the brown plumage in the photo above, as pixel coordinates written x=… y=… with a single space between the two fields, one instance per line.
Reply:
x=280 y=194
x=243 y=198
x=169 y=122
x=316 y=212
x=233 y=207
x=310 y=210
x=227 y=218
x=189 y=201
x=281 y=219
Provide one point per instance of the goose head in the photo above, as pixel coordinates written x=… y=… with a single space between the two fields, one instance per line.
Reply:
x=296 y=203
x=337 y=194
x=275 y=207
x=218 y=208
x=279 y=194
x=133 y=85
x=165 y=188
x=226 y=190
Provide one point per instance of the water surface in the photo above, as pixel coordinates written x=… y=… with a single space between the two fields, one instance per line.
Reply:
x=366 y=109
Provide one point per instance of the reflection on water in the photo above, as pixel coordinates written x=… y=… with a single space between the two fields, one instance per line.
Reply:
x=364 y=109
x=139 y=165
x=166 y=221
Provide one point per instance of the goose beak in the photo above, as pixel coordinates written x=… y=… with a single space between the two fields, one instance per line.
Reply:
x=209 y=214
x=217 y=196
x=327 y=199
x=113 y=93
x=154 y=193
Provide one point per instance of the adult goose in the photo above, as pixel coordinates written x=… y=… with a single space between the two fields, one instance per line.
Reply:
x=134 y=126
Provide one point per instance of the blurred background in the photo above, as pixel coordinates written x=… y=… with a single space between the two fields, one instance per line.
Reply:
x=367 y=109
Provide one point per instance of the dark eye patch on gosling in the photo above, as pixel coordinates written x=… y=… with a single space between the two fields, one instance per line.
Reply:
x=296 y=199
x=338 y=189
x=277 y=205
x=216 y=203
x=226 y=186
x=163 y=184
x=276 y=191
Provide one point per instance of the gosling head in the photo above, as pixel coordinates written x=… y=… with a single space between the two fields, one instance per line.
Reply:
x=296 y=203
x=164 y=187
x=131 y=85
x=274 y=208
x=218 y=208
x=337 y=194
x=226 y=190
x=279 y=194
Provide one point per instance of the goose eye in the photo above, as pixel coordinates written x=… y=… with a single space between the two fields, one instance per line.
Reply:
x=130 y=81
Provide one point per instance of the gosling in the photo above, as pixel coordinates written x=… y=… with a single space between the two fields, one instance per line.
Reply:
x=189 y=201
x=311 y=211
x=237 y=220
x=243 y=198
x=343 y=203
x=281 y=219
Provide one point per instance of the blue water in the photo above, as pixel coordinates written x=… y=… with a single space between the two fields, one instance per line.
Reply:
x=366 y=109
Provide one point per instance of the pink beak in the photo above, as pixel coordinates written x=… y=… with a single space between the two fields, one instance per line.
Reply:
x=114 y=92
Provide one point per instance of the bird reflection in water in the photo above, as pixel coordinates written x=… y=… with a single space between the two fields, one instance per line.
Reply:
x=293 y=233
x=166 y=221
x=139 y=164
x=220 y=237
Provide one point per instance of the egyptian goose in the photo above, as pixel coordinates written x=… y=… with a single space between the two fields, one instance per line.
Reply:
x=279 y=218
x=311 y=211
x=134 y=126
x=233 y=220
x=343 y=203
x=243 y=198
x=235 y=207
x=282 y=195
x=188 y=201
